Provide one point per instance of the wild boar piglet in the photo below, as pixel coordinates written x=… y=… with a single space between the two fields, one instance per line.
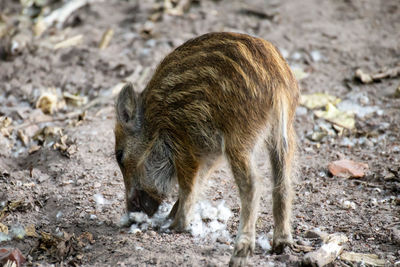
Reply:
x=217 y=95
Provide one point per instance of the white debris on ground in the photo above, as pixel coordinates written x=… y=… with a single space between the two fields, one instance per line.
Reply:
x=17 y=231
x=4 y=237
x=142 y=221
x=100 y=200
x=208 y=223
x=263 y=242
x=316 y=55
x=134 y=229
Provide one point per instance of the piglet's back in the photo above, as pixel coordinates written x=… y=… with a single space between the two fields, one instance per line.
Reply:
x=216 y=83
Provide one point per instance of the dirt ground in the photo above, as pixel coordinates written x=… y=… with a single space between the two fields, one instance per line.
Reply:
x=56 y=188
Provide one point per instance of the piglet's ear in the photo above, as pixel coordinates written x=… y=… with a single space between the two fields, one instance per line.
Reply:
x=127 y=105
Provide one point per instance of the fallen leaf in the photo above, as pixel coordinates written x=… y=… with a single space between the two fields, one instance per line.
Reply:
x=317 y=136
x=48 y=240
x=47 y=102
x=5 y=121
x=397 y=92
x=85 y=238
x=347 y=168
x=336 y=116
x=3 y=229
x=361 y=258
x=48 y=134
x=23 y=137
x=33 y=149
x=31 y=231
x=299 y=73
x=318 y=100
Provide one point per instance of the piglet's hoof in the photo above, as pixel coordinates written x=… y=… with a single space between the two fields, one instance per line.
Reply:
x=179 y=226
x=243 y=249
x=280 y=245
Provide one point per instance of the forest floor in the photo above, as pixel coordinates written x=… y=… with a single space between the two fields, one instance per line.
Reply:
x=62 y=193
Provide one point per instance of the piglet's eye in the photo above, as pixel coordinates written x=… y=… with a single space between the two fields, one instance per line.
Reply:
x=118 y=155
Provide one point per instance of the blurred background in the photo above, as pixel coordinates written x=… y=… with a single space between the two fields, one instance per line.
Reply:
x=63 y=62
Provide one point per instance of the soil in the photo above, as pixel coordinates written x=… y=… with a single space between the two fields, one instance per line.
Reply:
x=54 y=188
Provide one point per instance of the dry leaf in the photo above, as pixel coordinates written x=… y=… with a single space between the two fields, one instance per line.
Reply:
x=397 y=92
x=31 y=231
x=3 y=229
x=299 y=73
x=5 y=121
x=47 y=102
x=318 y=100
x=23 y=137
x=33 y=149
x=336 y=116
x=317 y=136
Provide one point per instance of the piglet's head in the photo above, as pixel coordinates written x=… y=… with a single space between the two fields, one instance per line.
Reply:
x=130 y=153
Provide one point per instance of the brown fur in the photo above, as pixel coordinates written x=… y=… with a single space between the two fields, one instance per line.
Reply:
x=216 y=95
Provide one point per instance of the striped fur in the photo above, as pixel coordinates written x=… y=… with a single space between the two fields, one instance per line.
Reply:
x=215 y=95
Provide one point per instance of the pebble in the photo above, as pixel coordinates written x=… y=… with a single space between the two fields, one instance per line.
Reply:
x=301 y=111
x=316 y=55
x=348 y=204
x=296 y=56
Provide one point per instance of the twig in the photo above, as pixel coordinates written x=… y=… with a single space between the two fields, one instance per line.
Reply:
x=327 y=253
x=369 y=78
x=73 y=41
x=106 y=38
x=60 y=15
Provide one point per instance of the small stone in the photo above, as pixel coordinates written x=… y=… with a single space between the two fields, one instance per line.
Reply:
x=374 y=202
x=346 y=204
x=347 y=168
x=316 y=55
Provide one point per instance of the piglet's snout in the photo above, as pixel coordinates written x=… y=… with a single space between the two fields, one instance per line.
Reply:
x=141 y=201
